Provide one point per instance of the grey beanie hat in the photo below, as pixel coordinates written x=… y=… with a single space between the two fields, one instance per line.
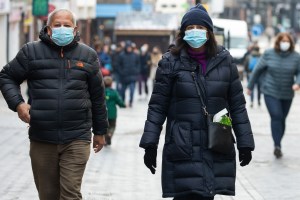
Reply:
x=197 y=15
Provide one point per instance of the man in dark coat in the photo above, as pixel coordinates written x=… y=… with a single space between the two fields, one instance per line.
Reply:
x=128 y=67
x=66 y=100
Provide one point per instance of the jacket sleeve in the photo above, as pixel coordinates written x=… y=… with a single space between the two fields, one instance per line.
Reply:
x=258 y=70
x=119 y=100
x=11 y=76
x=238 y=113
x=158 y=105
x=97 y=96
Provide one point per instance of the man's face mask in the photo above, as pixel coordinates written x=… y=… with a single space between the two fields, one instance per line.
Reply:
x=195 y=37
x=62 y=36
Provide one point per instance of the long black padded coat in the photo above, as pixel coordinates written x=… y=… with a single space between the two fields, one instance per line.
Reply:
x=188 y=166
x=65 y=87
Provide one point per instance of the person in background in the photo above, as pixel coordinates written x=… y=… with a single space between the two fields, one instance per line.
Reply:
x=191 y=171
x=115 y=68
x=145 y=70
x=281 y=68
x=67 y=99
x=155 y=58
x=250 y=63
x=112 y=100
x=104 y=57
x=129 y=66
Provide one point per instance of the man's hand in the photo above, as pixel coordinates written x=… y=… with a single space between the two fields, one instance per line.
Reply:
x=248 y=91
x=23 y=112
x=296 y=87
x=98 y=142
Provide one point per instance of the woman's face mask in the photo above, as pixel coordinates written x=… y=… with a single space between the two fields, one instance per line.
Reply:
x=62 y=36
x=284 y=46
x=195 y=37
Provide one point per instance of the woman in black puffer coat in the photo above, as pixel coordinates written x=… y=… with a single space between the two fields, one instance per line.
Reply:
x=189 y=169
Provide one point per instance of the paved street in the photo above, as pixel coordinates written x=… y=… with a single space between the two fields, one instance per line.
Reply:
x=118 y=171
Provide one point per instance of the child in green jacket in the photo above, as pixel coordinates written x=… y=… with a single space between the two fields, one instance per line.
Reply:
x=112 y=100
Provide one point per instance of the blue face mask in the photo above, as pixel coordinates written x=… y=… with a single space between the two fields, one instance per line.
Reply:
x=62 y=36
x=195 y=37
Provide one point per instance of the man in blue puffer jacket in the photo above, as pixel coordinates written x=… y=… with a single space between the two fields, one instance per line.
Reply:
x=67 y=99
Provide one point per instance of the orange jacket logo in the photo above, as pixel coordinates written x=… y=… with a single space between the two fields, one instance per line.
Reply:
x=79 y=64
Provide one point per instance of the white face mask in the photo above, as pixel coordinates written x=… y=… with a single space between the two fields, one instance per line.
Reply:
x=284 y=46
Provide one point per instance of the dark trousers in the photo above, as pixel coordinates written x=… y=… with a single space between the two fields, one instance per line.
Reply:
x=143 y=79
x=58 y=169
x=258 y=93
x=193 y=197
x=278 y=110
x=131 y=86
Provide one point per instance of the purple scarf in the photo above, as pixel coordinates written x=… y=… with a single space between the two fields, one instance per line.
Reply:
x=200 y=57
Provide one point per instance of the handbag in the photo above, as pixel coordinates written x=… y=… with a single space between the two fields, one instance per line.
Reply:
x=220 y=138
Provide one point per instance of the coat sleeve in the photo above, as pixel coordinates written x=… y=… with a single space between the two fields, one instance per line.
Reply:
x=237 y=109
x=97 y=96
x=158 y=105
x=11 y=77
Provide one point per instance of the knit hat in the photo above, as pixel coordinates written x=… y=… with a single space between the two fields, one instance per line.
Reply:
x=196 y=16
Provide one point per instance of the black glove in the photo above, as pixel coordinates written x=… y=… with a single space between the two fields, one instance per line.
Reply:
x=150 y=158
x=245 y=156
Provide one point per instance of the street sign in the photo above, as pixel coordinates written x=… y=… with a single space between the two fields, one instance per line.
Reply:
x=40 y=7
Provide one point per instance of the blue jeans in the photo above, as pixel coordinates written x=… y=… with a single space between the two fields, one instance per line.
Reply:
x=278 y=110
x=131 y=86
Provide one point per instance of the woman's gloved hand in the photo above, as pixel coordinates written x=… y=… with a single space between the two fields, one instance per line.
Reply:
x=245 y=156
x=150 y=158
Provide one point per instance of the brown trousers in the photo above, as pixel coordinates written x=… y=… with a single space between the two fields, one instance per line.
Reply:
x=58 y=169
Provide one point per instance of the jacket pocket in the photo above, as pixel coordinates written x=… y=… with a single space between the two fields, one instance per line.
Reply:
x=180 y=146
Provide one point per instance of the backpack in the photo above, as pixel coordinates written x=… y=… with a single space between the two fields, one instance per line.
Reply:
x=252 y=62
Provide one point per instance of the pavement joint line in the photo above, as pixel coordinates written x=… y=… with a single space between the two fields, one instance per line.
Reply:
x=248 y=187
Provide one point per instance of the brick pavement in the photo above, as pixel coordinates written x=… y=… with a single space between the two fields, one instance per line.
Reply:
x=118 y=172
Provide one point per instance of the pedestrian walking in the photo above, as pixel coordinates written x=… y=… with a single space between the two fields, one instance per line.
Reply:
x=129 y=66
x=112 y=100
x=115 y=68
x=66 y=100
x=155 y=58
x=190 y=170
x=281 y=68
x=144 y=70
x=250 y=63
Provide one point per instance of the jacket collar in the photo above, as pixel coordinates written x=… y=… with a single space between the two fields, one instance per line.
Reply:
x=190 y=64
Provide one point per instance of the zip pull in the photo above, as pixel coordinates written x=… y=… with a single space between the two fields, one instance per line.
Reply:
x=193 y=75
x=61 y=52
x=69 y=64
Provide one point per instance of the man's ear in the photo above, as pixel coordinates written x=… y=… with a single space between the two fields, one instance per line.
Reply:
x=75 y=30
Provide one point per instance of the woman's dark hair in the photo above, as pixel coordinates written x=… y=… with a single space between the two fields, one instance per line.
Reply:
x=211 y=44
x=278 y=40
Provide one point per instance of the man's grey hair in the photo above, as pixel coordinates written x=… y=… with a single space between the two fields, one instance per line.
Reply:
x=50 y=16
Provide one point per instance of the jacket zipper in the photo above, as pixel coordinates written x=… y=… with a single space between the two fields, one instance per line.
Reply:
x=61 y=72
